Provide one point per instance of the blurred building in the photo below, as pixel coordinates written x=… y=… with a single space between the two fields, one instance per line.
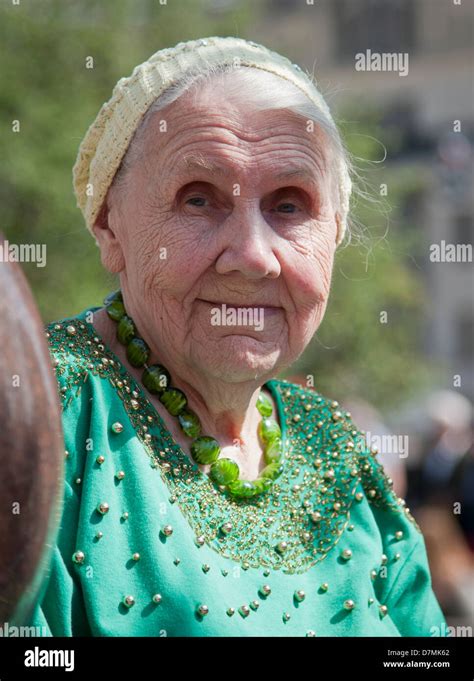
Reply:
x=421 y=108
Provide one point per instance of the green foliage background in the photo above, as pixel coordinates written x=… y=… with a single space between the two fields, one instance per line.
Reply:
x=46 y=86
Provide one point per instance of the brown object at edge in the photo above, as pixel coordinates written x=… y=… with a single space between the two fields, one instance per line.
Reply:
x=31 y=448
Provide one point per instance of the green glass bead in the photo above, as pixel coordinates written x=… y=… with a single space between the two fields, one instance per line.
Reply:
x=115 y=310
x=269 y=430
x=126 y=330
x=189 y=422
x=264 y=405
x=174 y=400
x=273 y=451
x=223 y=471
x=112 y=297
x=156 y=379
x=138 y=352
x=205 y=449
x=242 y=489
x=272 y=471
x=262 y=485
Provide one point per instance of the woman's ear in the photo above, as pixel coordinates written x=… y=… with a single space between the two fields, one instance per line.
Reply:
x=104 y=231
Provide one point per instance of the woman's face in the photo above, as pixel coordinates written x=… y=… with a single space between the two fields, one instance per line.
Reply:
x=228 y=205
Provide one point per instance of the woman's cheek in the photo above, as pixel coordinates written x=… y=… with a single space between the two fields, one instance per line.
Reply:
x=309 y=281
x=325 y=276
x=324 y=258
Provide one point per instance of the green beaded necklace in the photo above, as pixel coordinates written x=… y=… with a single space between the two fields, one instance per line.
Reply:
x=204 y=449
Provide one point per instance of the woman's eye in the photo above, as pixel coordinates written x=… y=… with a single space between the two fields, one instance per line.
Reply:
x=198 y=201
x=287 y=208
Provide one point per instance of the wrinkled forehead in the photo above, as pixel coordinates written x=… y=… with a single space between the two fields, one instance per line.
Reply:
x=193 y=133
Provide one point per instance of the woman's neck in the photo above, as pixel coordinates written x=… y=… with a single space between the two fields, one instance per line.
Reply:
x=227 y=412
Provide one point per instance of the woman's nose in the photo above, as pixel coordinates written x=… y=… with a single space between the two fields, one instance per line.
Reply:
x=248 y=245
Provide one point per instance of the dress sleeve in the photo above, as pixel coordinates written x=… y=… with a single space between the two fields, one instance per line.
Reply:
x=411 y=601
x=403 y=580
x=60 y=609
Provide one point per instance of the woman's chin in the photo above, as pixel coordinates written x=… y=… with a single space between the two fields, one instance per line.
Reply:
x=238 y=357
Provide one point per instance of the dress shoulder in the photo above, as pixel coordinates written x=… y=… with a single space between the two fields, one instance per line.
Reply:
x=75 y=355
x=339 y=443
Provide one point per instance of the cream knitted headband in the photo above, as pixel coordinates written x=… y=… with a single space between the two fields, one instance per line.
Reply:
x=107 y=139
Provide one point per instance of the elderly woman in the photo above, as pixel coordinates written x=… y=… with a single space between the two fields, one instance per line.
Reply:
x=202 y=495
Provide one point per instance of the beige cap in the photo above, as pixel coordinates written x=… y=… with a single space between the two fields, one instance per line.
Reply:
x=107 y=139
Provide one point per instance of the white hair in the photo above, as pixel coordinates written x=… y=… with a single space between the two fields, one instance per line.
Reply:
x=260 y=89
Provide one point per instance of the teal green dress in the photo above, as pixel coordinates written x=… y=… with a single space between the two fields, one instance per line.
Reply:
x=143 y=548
